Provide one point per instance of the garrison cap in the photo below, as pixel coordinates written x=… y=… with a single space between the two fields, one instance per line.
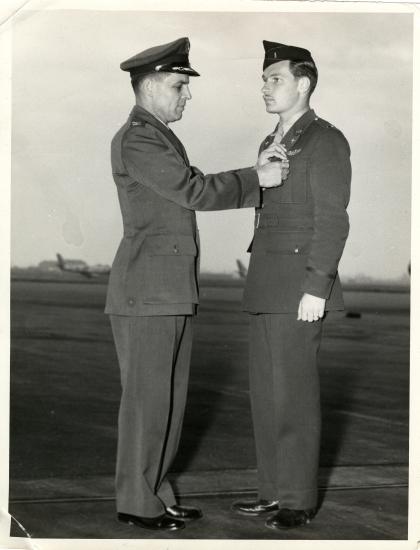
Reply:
x=275 y=52
x=168 y=58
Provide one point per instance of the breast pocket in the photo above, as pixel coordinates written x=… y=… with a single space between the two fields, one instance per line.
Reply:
x=170 y=269
x=294 y=188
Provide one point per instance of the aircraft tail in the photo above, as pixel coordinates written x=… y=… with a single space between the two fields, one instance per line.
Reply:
x=242 y=270
x=60 y=261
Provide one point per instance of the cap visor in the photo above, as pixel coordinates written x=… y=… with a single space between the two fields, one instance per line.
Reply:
x=189 y=71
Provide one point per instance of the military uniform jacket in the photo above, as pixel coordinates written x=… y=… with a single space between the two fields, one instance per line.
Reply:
x=155 y=271
x=302 y=226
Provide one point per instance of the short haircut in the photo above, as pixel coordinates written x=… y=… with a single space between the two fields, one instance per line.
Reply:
x=136 y=80
x=305 y=68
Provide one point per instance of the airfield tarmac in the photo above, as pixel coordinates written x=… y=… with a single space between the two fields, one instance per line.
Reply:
x=64 y=405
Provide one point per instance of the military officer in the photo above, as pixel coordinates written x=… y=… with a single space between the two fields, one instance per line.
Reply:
x=153 y=285
x=300 y=232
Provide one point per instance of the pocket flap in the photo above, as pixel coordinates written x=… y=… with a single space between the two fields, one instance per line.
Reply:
x=165 y=245
x=276 y=242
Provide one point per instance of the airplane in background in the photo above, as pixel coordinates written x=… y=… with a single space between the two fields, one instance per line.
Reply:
x=242 y=270
x=81 y=267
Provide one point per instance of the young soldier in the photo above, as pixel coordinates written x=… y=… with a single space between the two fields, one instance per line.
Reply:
x=300 y=232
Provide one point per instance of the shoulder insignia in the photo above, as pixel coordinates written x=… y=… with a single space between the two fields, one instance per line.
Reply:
x=293 y=152
x=324 y=123
x=137 y=123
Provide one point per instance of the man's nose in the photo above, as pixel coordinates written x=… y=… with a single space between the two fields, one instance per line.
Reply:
x=186 y=92
x=264 y=88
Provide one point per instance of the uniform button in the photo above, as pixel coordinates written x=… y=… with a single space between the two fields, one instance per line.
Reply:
x=263 y=205
x=296 y=250
x=175 y=249
x=131 y=301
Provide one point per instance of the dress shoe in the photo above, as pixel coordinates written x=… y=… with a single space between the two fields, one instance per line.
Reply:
x=288 y=519
x=254 y=507
x=183 y=512
x=159 y=523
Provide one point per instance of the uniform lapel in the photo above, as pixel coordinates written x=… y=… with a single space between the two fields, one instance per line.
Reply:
x=177 y=144
x=138 y=114
x=293 y=135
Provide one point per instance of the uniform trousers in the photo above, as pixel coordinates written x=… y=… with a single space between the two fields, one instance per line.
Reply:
x=285 y=404
x=154 y=357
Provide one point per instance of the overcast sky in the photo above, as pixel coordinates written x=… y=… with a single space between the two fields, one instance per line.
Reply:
x=70 y=97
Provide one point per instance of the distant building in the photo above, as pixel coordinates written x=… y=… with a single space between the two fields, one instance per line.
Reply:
x=48 y=265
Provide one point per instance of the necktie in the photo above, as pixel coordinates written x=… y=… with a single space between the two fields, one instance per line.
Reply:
x=279 y=134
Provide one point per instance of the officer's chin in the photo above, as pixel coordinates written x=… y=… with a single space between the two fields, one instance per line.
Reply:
x=175 y=117
x=270 y=108
x=178 y=114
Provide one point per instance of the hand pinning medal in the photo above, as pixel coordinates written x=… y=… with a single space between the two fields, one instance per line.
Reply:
x=276 y=152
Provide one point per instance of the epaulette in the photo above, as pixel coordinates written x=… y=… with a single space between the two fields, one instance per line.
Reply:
x=323 y=123
x=137 y=123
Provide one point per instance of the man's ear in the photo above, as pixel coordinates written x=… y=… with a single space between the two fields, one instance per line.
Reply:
x=304 y=85
x=148 y=86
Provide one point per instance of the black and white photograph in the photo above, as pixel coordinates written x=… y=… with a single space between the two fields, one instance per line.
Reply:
x=207 y=246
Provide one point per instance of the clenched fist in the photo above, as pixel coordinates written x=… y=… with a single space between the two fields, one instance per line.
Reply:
x=271 y=174
x=276 y=151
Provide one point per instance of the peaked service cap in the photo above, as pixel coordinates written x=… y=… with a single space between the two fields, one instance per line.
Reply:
x=169 y=58
x=275 y=52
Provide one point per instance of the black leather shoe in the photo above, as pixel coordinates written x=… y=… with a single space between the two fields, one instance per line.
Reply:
x=183 y=512
x=288 y=519
x=159 y=523
x=254 y=507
